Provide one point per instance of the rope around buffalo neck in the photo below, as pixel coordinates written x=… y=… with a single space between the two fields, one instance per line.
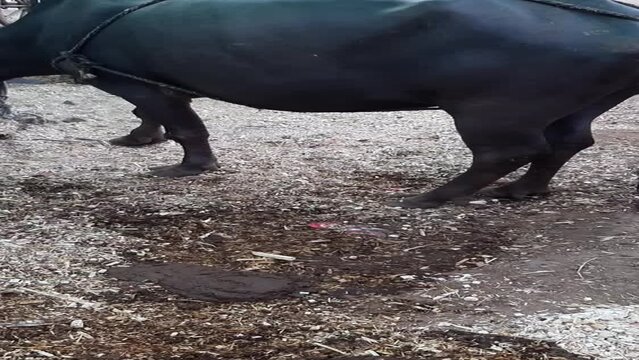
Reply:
x=80 y=67
x=108 y=22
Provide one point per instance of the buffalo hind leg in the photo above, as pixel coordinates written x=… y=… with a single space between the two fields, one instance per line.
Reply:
x=148 y=133
x=544 y=167
x=567 y=137
x=174 y=113
x=497 y=151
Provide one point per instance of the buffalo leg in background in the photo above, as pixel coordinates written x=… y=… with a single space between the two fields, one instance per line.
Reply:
x=566 y=136
x=4 y=108
x=148 y=133
x=174 y=113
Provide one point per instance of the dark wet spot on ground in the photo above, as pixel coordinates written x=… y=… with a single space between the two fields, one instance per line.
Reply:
x=522 y=347
x=209 y=284
x=61 y=190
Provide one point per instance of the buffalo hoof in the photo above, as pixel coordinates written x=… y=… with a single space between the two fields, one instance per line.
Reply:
x=182 y=170
x=135 y=141
x=514 y=192
x=415 y=202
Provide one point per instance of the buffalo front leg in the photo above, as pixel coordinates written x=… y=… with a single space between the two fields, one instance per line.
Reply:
x=567 y=137
x=148 y=133
x=193 y=137
x=498 y=147
x=186 y=128
x=174 y=113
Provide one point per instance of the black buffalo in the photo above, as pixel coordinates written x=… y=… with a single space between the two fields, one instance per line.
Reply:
x=522 y=79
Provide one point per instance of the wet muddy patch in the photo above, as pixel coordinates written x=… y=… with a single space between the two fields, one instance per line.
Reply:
x=378 y=256
x=209 y=284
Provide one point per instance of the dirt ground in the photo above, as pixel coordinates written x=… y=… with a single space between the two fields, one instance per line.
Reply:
x=545 y=278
